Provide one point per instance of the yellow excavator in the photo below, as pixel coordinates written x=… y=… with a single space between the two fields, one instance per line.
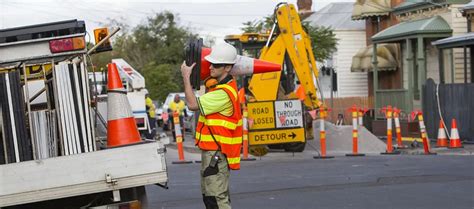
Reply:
x=277 y=117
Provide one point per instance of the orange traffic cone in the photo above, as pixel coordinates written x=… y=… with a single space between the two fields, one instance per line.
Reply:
x=121 y=126
x=442 y=139
x=195 y=53
x=179 y=140
x=455 y=141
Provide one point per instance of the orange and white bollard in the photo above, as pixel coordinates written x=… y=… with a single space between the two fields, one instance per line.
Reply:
x=361 y=115
x=442 y=139
x=245 y=136
x=424 y=135
x=398 y=130
x=455 y=141
x=179 y=140
x=322 y=133
x=389 y=115
x=355 y=134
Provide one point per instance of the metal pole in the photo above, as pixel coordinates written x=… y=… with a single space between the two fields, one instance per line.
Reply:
x=465 y=64
x=441 y=65
x=28 y=106
x=332 y=93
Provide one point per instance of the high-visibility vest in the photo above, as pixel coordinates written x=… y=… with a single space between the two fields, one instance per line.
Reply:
x=227 y=130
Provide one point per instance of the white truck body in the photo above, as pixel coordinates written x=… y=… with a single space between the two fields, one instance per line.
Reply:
x=74 y=175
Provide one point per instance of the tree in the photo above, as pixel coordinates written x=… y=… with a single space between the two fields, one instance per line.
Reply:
x=323 y=41
x=155 y=49
x=258 y=26
x=162 y=79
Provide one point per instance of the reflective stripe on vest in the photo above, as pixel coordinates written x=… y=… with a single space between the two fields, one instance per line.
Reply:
x=221 y=139
x=225 y=86
x=219 y=122
x=233 y=160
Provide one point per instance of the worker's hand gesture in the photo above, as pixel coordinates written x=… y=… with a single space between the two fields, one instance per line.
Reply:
x=186 y=70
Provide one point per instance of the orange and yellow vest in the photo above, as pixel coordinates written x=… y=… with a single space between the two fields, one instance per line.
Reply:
x=227 y=130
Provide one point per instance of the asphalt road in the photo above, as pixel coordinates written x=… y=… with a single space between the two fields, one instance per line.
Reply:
x=284 y=181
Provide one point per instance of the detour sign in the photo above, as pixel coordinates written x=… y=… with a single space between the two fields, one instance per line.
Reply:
x=277 y=136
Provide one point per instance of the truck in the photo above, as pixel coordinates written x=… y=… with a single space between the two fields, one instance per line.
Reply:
x=51 y=155
x=273 y=105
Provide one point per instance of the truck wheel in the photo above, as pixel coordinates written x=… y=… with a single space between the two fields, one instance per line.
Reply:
x=295 y=147
x=276 y=146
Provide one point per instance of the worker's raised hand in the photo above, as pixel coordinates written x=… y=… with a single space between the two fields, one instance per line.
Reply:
x=186 y=70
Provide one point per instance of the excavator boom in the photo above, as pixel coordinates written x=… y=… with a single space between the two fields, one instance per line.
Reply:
x=293 y=41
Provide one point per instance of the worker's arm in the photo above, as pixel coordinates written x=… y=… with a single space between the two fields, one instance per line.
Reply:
x=188 y=90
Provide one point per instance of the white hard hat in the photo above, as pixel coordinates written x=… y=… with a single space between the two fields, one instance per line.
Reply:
x=222 y=53
x=145 y=91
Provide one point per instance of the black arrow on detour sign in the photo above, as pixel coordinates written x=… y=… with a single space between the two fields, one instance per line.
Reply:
x=293 y=135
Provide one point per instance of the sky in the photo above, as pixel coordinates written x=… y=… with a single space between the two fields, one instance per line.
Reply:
x=209 y=18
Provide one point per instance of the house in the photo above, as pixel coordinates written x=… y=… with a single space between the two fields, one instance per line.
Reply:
x=421 y=22
x=351 y=37
x=377 y=16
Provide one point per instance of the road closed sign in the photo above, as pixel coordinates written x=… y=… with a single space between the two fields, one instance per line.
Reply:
x=261 y=115
x=288 y=114
x=277 y=136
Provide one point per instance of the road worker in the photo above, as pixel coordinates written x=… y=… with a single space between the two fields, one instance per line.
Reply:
x=178 y=105
x=219 y=128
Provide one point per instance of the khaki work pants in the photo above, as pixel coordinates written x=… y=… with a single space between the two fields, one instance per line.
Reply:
x=215 y=181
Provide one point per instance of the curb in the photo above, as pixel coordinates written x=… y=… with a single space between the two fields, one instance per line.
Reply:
x=438 y=151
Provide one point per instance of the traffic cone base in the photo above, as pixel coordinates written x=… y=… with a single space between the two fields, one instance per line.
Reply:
x=390 y=153
x=126 y=136
x=181 y=162
x=455 y=141
x=323 y=157
x=355 y=155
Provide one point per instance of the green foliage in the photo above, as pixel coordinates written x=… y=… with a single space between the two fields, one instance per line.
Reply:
x=154 y=48
x=162 y=79
x=323 y=41
x=258 y=26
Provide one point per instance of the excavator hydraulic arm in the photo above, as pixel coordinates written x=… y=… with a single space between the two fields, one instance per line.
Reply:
x=293 y=41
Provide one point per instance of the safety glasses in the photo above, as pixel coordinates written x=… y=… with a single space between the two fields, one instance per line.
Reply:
x=217 y=65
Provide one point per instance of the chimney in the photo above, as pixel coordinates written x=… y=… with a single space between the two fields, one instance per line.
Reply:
x=304 y=8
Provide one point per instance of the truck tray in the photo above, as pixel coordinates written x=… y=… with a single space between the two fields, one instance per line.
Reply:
x=74 y=175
